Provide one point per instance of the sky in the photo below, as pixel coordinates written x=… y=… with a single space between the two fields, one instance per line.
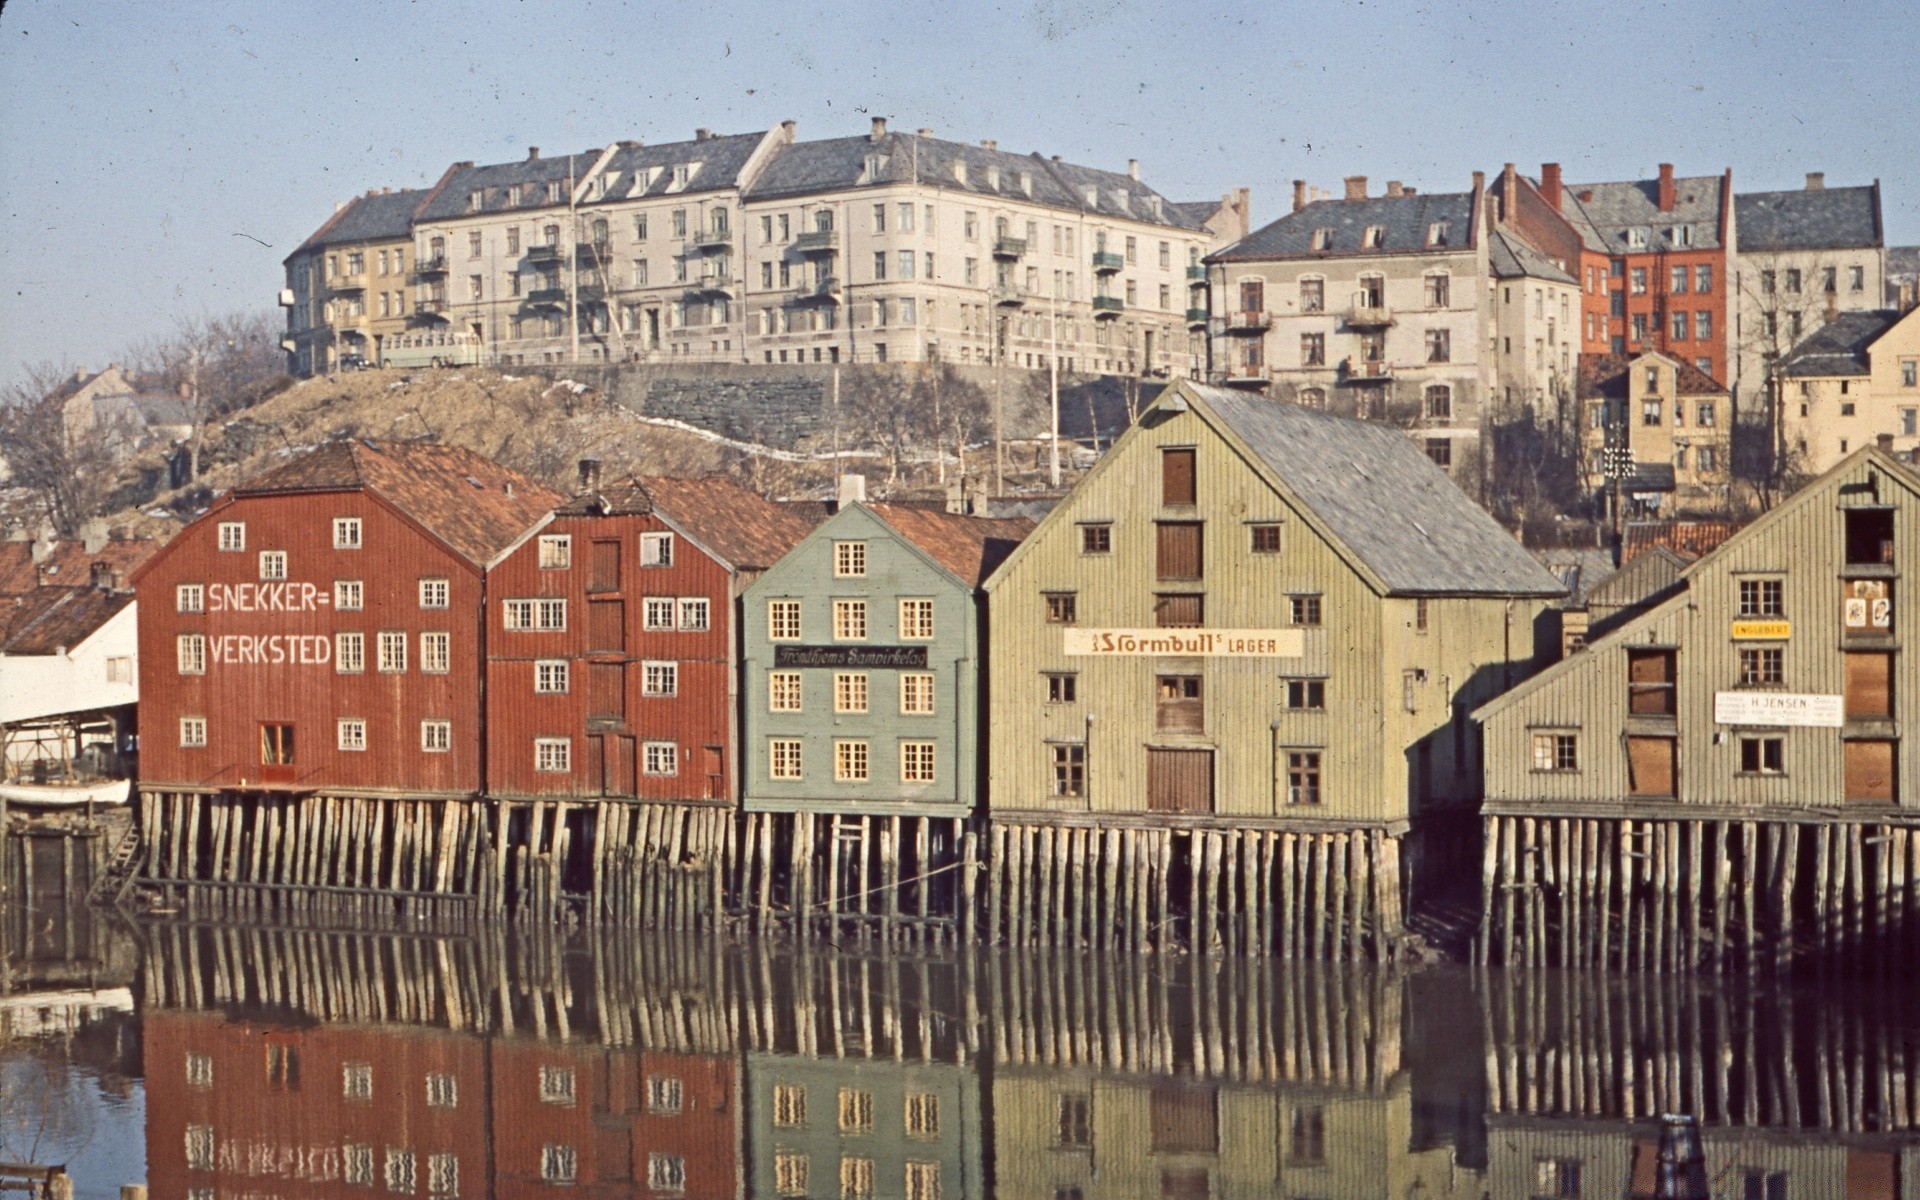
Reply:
x=159 y=161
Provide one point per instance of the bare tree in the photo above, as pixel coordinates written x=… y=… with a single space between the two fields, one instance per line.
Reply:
x=71 y=476
x=218 y=365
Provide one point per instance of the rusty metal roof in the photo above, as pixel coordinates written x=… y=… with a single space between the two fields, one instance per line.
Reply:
x=476 y=505
x=747 y=530
x=970 y=547
x=48 y=619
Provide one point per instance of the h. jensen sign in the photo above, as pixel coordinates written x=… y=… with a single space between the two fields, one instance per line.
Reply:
x=1777 y=708
x=1194 y=643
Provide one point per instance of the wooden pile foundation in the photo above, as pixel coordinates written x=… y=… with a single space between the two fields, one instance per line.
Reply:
x=1673 y=894
x=888 y=878
x=1324 y=895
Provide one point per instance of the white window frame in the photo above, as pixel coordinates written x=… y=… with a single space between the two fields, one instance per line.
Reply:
x=349 y=653
x=659 y=677
x=436 y=652
x=913 y=748
x=190 y=653
x=657 y=613
x=233 y=536
x=777 y=610
x=356 y=1081
x=553 y=755
x=193 y=732
x=190 y=598
x=350 y=733
x=785 y=759
x=852 y=760
x=843 y=613
x=273 y=566
x=910 y=682
x=852 y=691
x=550 y=614
x=914 y=630
x=392 y=652
x=443 y=1090
x=557 y=1085
x=696 y=614
x=551 y=677
x=555 y=551
x=660 y=759
x=347 y=533
x=656 y=549
x=435 y=593
x=784 y=686
x=850 y=560
x=666 y=1172
x=436 y=736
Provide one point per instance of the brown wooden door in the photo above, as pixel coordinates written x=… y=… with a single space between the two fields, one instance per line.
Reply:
x=716 y=774
x=616 y=776
x=1178 y=554
x=1869 y=684
x=1179 y=781
x=1650 y=767
x=606 y=625
x=1650 y=679
x=1176 y=475
x=1869 y=771
x=606 y=691
x=1872 y=1175
x=1179 y=610
x=604 y=570
x=1185 y=1119
x=1185 y=1183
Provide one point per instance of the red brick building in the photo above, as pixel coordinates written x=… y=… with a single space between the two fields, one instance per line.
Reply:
x=611 y=640
x=1654 y=263
x=322 y=626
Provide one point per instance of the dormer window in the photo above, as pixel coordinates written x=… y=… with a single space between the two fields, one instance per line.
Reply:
x=876 y=166
x=1636 y=239
x=475 y=199
x=1323 y=238
x=1681 y=235
x=960 y=173
x=1375 y=235
x=554 y=195
x=1437 y=233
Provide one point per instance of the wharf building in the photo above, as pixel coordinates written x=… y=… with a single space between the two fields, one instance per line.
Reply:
x=864 y=654
x=1726 y=778
x=309 y=651
x=761 y=248
x=613 y=713
x=1231 y=677
x=1437 y=313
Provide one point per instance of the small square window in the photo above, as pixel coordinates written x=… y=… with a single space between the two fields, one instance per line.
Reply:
x=1763 y=756
x=347 y=595
x=850 y=762
x=552 y=756
x=556 y=551
x=1556 y=752
x=916 y=620
x=657 y=613
x=436 y=737
x=346 y=533
x=1062 y=608
x=783 y=691
x=193 y=731
x=1307 y=694
x=664 y=1094
x=273 y=565
x=783 y=758
x=1063 y=687
x=353 y=735
x=233 y=535
x=656 y=549
x=916 y=762
x=190 y=598
x=849 y=560
x=783 y=620
x=434 y=593
x=695 y=613
x=1305 y=609
x=659 y=679
x=1762 y=665
x=1266 y=538
x=660 y=758
x=1096 y=539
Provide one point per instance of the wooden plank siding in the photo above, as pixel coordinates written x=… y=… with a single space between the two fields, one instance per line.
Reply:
x=1800 y=545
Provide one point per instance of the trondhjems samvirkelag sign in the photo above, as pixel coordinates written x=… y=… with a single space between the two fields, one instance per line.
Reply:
x=882 y=657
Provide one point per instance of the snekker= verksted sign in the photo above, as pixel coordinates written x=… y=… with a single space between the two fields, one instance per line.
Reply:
x=1192 y=643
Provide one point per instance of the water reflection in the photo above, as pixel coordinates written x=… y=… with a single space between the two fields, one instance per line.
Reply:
x=288 y=1064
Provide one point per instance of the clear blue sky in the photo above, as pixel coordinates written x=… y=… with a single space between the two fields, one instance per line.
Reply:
x=158 y=160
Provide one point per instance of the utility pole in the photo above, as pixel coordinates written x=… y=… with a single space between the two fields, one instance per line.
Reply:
x=1053 y=387
x=573 y=257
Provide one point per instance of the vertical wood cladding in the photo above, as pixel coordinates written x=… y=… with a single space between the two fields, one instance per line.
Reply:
x=644 y=703
x=272 y=650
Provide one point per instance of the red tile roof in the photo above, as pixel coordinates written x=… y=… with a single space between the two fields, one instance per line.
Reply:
x=47 y=619
x=970 y=547
x=1605 y=375
x=747 y=530
x=477 y=505
x=69 y=563
x=1688 y=539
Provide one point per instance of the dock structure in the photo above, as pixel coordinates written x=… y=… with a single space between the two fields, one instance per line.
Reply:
x=1231 y=673
x=1727 y=780
x=864 y=652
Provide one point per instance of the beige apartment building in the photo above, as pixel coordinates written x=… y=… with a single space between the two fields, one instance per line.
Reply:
x=348 y=287
x=1673 y=420
x=760 y=248
x=1424 y=311
x=1802 y=258
x=1851 y=384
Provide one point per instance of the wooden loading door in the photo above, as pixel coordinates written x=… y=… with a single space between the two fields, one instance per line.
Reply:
x=1179 y=781
x=1650 y=765
x=604 y=567
x=615 y=766
x=606 y=626
x=607 y=692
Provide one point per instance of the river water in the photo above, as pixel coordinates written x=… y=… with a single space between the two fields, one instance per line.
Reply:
x=248 y=1064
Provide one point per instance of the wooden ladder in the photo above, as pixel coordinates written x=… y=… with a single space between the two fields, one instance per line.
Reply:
x=114 y=882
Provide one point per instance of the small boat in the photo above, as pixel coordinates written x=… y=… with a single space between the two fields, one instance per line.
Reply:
x=77 y=794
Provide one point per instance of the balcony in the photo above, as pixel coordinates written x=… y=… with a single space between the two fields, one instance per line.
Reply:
x=819 y=241
x=590 y=293
x=436 y=265
x=1196 y=274
x=710 y=283
x=342 y=285
x=1196 y=318
x=1108 y=306
x=1009 y=247
x=1105 y=262
x=435 y=309
x=707 y=239
x=544 y=252
x=1256 y=321
x=1245 y=374
x=543 y=297
x=1354 y=370
x=826 y=290
x=1362 y=315
x=1009 y=295
x=593 y=252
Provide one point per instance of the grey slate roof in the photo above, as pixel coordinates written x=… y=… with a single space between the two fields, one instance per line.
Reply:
x=720 y=161
x=144 y=408
x=1512 y=258
x=1840 y=346
x=834 y=163
x=493 y=181
x=1903 y=262
x=367 y=219
x=1403 y=219
x=1611 y=209
x=1824 y=219
x=1384 y=499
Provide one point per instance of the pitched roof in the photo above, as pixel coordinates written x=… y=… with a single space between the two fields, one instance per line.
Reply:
x=1384 y=499
x=1647 y=576
x=1821 y=219
x=453 y=198
x=1688 y=539
x=478 y=506
x=148 y=408
x=51 y=618
x=834 y=163
x=1404 y=222
x=747 y=530
x=1840 y=346
x=970 y=547
x=69 y=563
x=1511 y=258
x=1603 y=213
x=637 y=170
x=1604 y=376
x=376 y=217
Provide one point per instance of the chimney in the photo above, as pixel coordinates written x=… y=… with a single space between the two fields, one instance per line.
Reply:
x=989 y=144
x=103 y=578
x=589 y=474
x=1550 y=184
x=1393 y=189
x=93 y=535
x=879 y=128
x=1884 y=441
x=925 y=133
x=1666 y=187
x=787 y=130
x=1479 y=182
x=1356 y=187
x=702 y=134
x=1586 y=196
x=1816 y=181
x=853 y=489
x=1509 y=190
x=1299 y=194
x=533 y=152
x=1133 y=169
x=1409 y=191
